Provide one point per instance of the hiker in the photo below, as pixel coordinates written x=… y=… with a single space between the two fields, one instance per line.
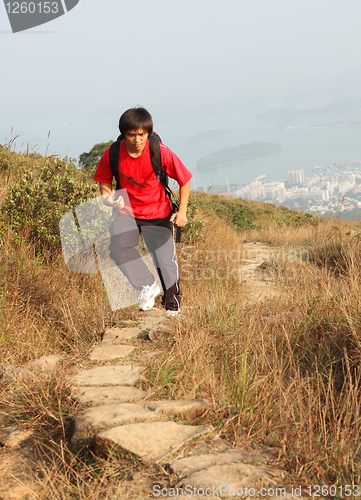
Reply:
x=146 y=209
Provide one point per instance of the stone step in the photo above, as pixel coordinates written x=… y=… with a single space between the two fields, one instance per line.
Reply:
x=189 y=465
x=94 y=419
x=86 y=423
x=96 y=396
x=213 y=471
x=165 y=328
x=109 y=375
x=118 y=335
x=150 y=322
x=231 y=480
x=186 y=409
x=234 y=477
x=13 y=437
x=152 y=442
x=110 y=351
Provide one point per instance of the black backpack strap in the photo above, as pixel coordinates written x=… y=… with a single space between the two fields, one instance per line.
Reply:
x=154 y=147
x=114 y=160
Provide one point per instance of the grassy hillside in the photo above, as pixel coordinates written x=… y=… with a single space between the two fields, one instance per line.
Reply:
x=246 y=214
x=282 y=372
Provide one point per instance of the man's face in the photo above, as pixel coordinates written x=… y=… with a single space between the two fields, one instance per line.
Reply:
x=135 y=141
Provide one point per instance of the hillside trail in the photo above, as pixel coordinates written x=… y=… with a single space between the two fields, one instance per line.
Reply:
x=118 y=415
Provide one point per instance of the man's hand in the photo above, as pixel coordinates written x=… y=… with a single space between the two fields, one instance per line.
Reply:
x=179 y=219
x=109 y=202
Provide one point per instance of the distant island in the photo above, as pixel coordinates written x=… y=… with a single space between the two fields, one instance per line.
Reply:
x=352 y=122
x=207 y=135
x=239 y=154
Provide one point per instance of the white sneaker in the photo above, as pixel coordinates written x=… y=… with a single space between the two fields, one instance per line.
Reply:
x=147 y=296
x=172 y=314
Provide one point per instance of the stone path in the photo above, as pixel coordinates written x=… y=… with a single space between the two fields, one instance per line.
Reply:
x=121 y=417
x=118 y=414
x=259 y=270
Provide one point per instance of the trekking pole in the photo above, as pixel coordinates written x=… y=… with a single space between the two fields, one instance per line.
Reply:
x=178 y=234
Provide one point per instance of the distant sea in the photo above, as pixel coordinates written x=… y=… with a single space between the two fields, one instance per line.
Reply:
x=301 y=148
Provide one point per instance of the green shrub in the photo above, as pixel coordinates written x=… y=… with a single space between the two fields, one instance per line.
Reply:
x=237 y=213
x=34 y=206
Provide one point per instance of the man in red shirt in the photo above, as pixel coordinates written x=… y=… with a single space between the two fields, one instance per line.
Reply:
x=148 y=210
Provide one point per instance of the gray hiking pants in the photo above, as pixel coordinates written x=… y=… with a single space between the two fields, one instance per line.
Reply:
x=158 y=236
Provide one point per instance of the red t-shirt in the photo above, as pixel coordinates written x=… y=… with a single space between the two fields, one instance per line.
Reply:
x=150 y=202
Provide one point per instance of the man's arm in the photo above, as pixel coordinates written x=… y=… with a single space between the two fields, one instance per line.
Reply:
x=180 y=217
x=106 y=192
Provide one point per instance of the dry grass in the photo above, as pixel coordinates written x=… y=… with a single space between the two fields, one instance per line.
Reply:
x=45 y=308
x=283 y=372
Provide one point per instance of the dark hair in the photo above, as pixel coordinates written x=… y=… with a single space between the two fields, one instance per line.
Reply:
x=135 y=118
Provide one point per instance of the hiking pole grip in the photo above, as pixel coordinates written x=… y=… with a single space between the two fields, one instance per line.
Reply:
x=178 y=234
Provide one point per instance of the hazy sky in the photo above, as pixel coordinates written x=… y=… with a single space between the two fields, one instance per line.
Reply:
x=75 y=75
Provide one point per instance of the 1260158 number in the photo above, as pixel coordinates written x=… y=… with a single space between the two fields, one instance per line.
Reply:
x=32 y=7
x=348 y=490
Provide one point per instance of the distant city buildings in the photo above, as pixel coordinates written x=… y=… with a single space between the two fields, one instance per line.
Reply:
x=257 y=190
x=295 y=177
x=329 y=189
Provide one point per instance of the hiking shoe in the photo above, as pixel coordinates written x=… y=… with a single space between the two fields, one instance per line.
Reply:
x=172 y=314
x=147 y=296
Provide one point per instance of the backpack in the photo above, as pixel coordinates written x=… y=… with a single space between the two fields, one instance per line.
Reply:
x=154 y=146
